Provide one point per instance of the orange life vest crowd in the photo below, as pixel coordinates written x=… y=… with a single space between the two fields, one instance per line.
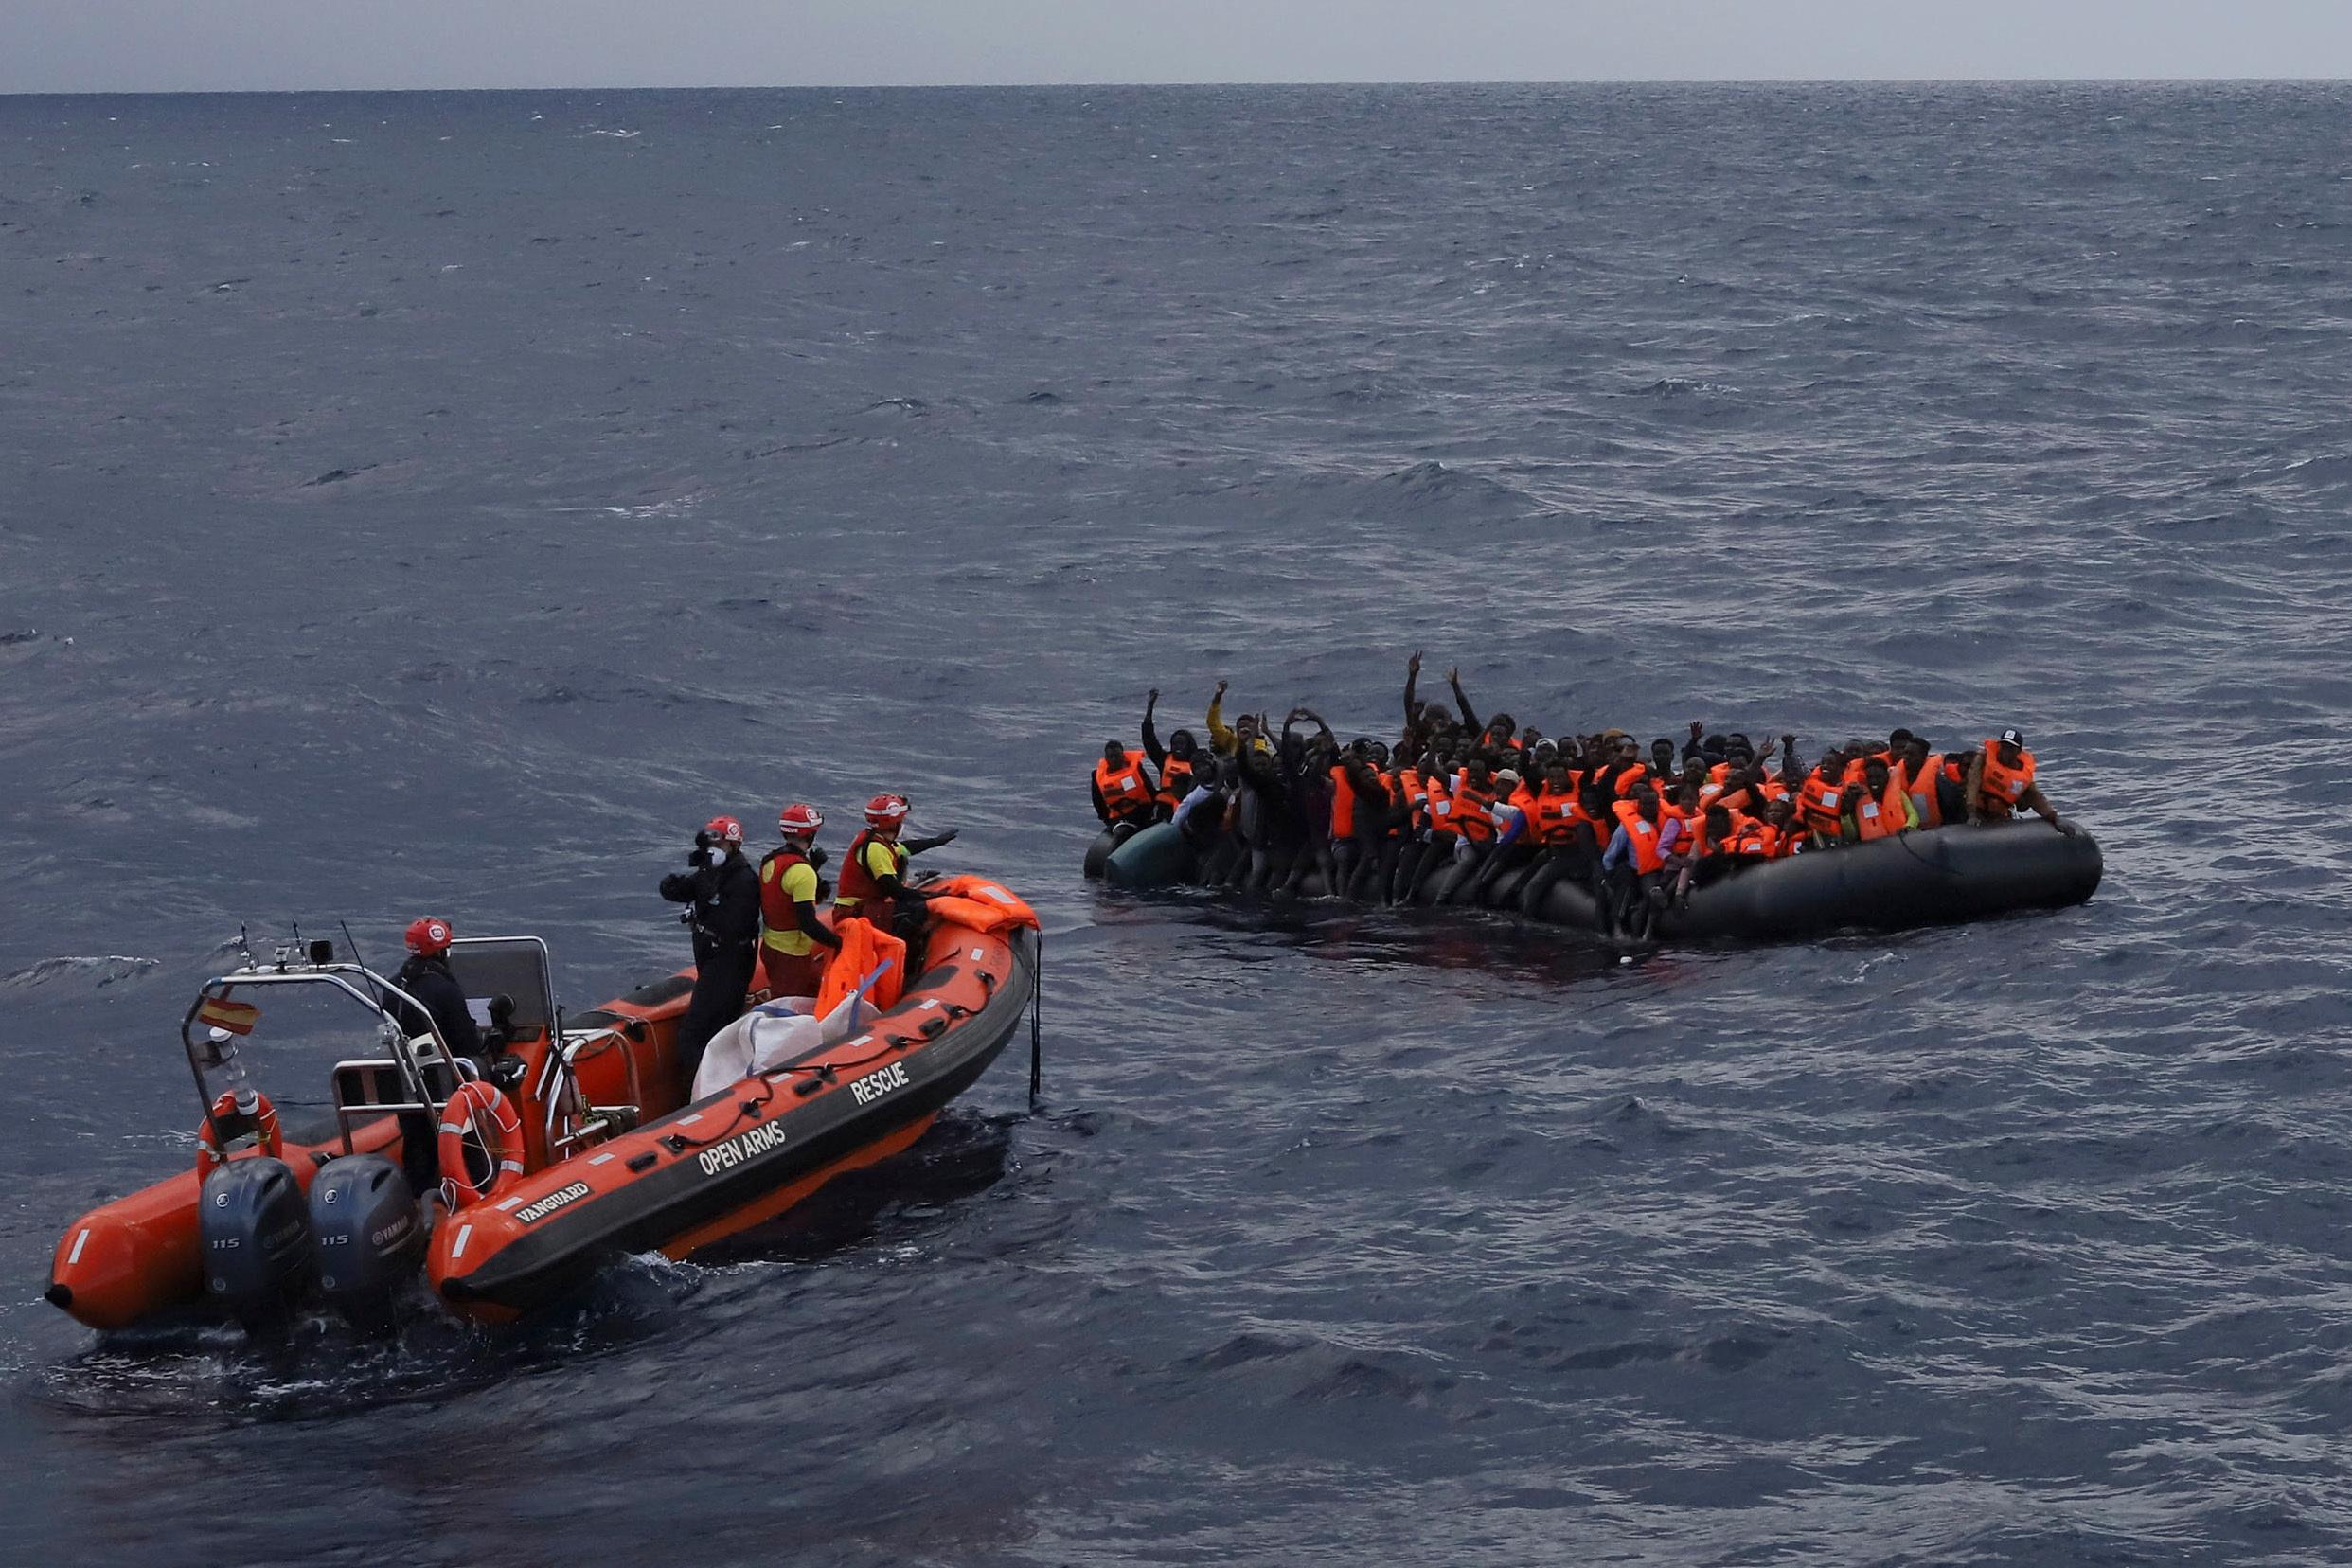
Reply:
x=1264 y=809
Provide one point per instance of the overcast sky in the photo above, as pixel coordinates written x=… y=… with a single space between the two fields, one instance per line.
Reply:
x=114 y=45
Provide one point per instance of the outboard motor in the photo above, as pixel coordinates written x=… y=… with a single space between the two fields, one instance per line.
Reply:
x=255 y=1232
x=366 y=1236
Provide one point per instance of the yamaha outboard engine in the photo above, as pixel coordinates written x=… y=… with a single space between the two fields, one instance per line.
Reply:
x=366 y=1234
x=255 y=1238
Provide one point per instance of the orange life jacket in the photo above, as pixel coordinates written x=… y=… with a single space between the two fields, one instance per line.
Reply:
x=1923 y=793
x=1694 y=844
x=1754 y=839
x=864 y=949
x=1175 y=781
x=1627 y=779
x=1555 y=820
x=1126 y=790
x=1343 y=803
x=1817 y=804
x=1669 y=810
x=1471 y=812
x=1883 y=817
x=1416 y=800
x=2002 y=788
x=1643 y=834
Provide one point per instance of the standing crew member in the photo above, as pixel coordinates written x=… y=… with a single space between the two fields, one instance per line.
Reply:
x=427 y=977
x=722 y=893
x=873 y=878
x=2001 y=782
x=792 y=936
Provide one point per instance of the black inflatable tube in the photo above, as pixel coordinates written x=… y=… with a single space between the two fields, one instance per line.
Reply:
x=1918 y=878
x=1912 y=879
x=1099 y=851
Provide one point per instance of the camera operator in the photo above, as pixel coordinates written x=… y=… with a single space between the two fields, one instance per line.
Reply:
x=722 y=894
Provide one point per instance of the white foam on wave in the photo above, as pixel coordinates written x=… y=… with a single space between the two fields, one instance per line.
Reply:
x=109 y=968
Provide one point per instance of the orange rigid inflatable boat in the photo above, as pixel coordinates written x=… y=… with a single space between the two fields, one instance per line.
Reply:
x=574 y=1149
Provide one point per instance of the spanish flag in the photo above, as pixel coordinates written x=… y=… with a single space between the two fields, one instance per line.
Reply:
x=236 y=1016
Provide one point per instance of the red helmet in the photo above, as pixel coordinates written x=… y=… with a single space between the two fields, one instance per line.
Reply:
x=884 y=809
x=799 y=818
x=724 y=828
x=429 y=936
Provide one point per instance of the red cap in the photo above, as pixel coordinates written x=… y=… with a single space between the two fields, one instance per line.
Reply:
x=799 y=817
x=724 y=828
x=429 y=936
x=886 y=809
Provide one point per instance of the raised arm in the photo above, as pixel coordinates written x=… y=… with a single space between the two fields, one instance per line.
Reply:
x=1151 y=738
x=1222 y=740
x=1461 y=700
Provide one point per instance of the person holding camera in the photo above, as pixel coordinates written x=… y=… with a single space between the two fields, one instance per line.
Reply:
x=722 y=894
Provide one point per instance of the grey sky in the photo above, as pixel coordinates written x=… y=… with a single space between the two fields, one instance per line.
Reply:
x=99 y=46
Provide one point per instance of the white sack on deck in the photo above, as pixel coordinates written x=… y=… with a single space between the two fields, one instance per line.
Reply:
x=771 y=1035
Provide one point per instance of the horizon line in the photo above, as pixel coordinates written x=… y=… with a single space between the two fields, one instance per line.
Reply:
x=1118 y=85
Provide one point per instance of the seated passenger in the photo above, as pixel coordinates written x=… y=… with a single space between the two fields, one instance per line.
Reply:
x=1177 y=762
x=1635 y=865
x=1123 y=793
x=2000 y=782
x=1820 y=800
x=1877 y=806
x=1934 y=783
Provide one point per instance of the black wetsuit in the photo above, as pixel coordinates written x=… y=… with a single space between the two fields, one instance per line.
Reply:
x=726 y=921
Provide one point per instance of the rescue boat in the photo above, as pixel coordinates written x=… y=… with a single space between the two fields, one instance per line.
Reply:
x=1910 y=880
x=577 y=1148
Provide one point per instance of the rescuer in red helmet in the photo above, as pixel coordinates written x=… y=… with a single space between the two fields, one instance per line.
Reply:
x=722 y=893
x=873 y=878
x=792 y=947
x=427 y=977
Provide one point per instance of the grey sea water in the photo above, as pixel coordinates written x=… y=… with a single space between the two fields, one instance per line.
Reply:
x=419 y=501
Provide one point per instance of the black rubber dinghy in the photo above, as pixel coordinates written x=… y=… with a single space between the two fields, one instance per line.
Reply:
x=1917 y=878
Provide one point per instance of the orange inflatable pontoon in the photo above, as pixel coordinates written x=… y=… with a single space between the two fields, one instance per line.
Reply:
x=574 y=1149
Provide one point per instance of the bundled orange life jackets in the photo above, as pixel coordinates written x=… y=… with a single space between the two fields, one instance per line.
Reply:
x=1175 y=780
x=1126 y=790
x=864 y=949
x=2003 y=787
